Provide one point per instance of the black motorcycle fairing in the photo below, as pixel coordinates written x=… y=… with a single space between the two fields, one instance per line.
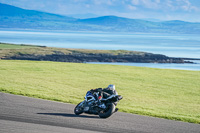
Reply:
x=90 y=108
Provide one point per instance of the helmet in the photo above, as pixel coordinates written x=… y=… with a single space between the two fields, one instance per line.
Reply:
x=111 y=87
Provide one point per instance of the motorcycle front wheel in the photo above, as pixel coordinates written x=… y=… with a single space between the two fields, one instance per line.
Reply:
x=78 y=109
x=108 y=111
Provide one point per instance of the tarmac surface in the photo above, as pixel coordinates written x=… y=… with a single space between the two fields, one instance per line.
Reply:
x=19 y=114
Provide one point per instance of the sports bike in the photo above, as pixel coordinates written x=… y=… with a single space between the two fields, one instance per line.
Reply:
x=95 y=104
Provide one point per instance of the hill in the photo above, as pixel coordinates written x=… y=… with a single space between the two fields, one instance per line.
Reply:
x=14 y=17
x=18 y=18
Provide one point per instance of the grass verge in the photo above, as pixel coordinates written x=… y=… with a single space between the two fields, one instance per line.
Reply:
x=169 y=94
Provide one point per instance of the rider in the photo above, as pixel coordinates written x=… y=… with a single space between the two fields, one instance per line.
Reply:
x=106 y=92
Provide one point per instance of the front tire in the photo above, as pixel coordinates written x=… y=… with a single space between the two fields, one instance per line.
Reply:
x=78 y=109
x=108 y=112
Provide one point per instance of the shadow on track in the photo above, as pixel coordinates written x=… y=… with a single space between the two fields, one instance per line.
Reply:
x=68 y=115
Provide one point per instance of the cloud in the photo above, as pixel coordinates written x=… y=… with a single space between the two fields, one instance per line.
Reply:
x=135 y=2
x=132 y=7
x=103 y=2
x=157 y=1
x=173 y=5
x=150 y=4
x=187 y=6
x=180 y=5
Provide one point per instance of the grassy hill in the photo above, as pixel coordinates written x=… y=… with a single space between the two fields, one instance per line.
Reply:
x=170 y=94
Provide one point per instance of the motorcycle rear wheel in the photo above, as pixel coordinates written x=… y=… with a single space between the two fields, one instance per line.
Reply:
x=108 y=112
x=78 y=109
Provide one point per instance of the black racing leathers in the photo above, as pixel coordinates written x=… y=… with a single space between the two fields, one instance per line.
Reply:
x=105 y=93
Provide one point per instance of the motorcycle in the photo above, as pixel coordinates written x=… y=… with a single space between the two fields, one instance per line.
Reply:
x=95 y=104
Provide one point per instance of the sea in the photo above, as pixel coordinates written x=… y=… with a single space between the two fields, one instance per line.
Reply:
x=172 y=45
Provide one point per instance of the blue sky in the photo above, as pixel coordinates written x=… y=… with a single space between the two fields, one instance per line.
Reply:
x=186 y=10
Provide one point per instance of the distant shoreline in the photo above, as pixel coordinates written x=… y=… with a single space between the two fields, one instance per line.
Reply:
x=43 y=53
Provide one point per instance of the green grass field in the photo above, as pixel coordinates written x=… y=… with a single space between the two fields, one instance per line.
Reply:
x=170 y=94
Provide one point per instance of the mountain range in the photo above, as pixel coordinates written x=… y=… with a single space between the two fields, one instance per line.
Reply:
x=12 y=17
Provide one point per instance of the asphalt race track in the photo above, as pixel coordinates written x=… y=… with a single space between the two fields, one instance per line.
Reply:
x=20 y=114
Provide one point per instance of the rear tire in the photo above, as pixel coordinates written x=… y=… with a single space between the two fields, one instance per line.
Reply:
x=78 y=109
x=108 y=112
